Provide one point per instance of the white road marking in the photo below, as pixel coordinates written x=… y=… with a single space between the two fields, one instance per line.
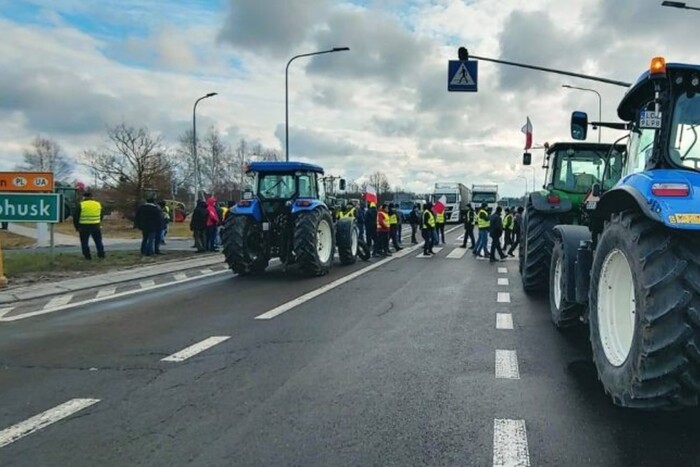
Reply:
x=58 y=301
x=502 y=281
x=205 y=271
x=44 y=419
x=503 y=270
x=457 y=253
x=192 y=350
x=503 y=297
x=147 y=283
x=507 y=364
x=4 y=311
x=437 y=249
x=106 y=292
x=510 y=443
x=504 y=321
x=178 y=276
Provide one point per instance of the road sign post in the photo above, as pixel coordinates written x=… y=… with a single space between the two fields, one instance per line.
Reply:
x=30 y=207
x=462 y=75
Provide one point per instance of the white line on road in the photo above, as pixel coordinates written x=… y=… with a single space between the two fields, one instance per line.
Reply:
x=205 y=271
x=503 y=270
x=503 y=297
x=147 y=283
x=504 y=321
x=457 y=253
x=502 y=281
x=510 y=443
x=507 y=364
x=193 y=350
x=178 y=276
x=44 y=419
x=4 y=311
x=106 y=292
x=59 y=301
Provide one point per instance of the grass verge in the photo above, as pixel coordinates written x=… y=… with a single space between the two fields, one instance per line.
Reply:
x=10 y=241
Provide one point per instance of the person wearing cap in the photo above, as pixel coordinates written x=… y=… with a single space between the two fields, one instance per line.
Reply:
x=87 y=222
x=427 y=228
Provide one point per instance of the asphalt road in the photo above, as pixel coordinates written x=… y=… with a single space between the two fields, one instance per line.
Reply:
x=401 y=365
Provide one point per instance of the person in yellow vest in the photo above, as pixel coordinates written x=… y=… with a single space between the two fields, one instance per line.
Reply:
x=469 y=218
x=427 y=226
x=508 y=228
x=394 y=227
x=87 y=222
x=483 y=222
x=440 y=227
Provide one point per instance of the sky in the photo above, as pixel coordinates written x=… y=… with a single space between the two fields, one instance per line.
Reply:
x=71 y=68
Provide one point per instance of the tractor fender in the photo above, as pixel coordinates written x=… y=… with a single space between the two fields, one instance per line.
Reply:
x=301 y=205
x=571 y=237
x=540 y=204
x=251 y=209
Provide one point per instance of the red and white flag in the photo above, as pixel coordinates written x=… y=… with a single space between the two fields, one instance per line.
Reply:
x=439 y=206
x=527 y=129
x=371 y=195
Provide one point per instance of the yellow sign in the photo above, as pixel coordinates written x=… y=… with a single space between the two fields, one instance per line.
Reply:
x=26 y=181
x=684 y=218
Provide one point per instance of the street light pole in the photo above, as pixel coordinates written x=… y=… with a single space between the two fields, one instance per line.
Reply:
x=681 y=5
x=600 y=104
x=524 y=178
x=286 y=91
x=194 y=144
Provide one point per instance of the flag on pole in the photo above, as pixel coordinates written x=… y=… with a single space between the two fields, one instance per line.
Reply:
x=371 y=195
x=527 y=129
x=439 y=206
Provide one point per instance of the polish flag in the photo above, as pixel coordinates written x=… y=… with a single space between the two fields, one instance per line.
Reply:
x=527 y=129
x=439 y=206
x=371 y=195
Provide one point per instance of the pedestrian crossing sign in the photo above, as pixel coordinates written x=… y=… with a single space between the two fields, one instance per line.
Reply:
x=462 y=75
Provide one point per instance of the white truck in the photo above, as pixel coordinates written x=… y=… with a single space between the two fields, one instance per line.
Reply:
x=458 y=197
x=485 y=194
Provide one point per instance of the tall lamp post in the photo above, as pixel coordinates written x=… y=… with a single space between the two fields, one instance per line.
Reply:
x=600 y=103
x=286 y=91
x=680 y=5
x=194 y=144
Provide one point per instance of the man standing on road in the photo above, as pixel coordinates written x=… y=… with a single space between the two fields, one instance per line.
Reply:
x=166 y=220
x=415 y=221
x=440 y=227
x=469 y=227
x=383 y=231
x=87 y=222
x=394 y=226
x=517 y=225
x=360 y=216
x=212 y=224
x=496 y=231
x=426 y=229
x=482 y=221
x=371 y=227
x=198 y=226
x=508 y=227
x=149 y=220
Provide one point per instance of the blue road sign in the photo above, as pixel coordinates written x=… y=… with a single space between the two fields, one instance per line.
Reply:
x=462 y=75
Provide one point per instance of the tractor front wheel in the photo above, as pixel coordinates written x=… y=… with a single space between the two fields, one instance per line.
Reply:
x=314 y=242
x=347 y=239
x=243 y=245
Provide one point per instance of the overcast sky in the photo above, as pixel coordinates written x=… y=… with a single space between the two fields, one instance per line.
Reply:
x=72 y=67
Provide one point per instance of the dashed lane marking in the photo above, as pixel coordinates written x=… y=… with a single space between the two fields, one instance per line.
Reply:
x=504 y=321
x=205 y=271
x=457 y=253
x=178 y=276
x=502 y=281
x=193 y=350
x=6 y=310
x=436 y=250
x=44 y=419
x=510 y=443
x=503 y=270
x=58 y=301
x=507 y=364
x=503 y=297
x=147 y=283
x=106 y=292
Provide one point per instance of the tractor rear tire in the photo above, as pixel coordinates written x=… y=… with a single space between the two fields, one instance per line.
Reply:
x=564 y=314
x=346 y=239
x=536 y=249
x=645 y=313
x=314 y=242
x=242 y=241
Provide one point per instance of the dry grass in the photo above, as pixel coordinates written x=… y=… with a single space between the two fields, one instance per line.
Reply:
x=10 y=241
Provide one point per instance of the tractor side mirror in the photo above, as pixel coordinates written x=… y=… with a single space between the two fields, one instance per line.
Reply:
x=341 y=184
x=595 y=189
x=527 y=158
x=579 y=125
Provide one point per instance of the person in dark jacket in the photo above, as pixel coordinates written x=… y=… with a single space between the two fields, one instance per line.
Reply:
x=517 y=225
x=469 y=218
x=149 y=220
x=198 y=226
x=371 y=226
x=166 y=220
x=496 y=232
x=360 y=214
x=414 y=219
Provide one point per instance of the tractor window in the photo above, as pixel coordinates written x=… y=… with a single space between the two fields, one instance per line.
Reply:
x=307 y=186
x=276 y=186
x=577 y=171
x=640 y=149
x=685 y=147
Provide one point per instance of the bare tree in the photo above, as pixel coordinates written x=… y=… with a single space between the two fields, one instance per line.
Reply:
x=380 y=183
x=46 y=155
x=215 y=154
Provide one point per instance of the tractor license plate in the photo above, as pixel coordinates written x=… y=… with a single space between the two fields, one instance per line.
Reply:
x=591 y=205
x=650 y=119
x=684 y=219
x=266 y=226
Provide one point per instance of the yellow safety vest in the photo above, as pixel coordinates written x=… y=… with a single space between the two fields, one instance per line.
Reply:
x=483 y=223
x=441 y=218
x=393 y=219
x=430 y=222
x=508 y=222
x=90 y=212
x=346 y=215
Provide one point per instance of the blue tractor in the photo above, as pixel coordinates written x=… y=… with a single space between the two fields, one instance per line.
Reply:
x=284 y=216
x=633 y=274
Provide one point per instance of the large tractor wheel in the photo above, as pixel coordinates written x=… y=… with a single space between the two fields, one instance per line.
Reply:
x=564 y=314
x=536 y=249
x=314 y=243
x=645 y=313
x=346 y=238
x=243 y=245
